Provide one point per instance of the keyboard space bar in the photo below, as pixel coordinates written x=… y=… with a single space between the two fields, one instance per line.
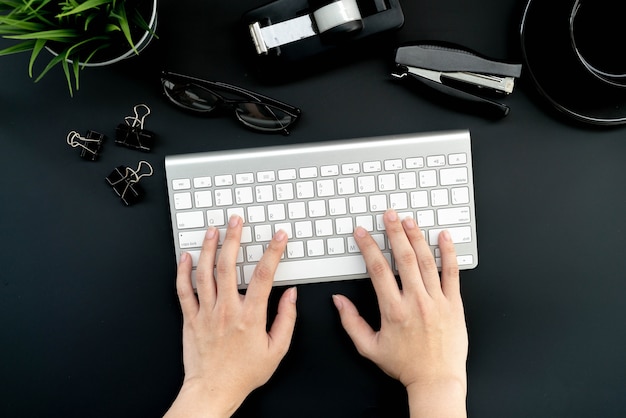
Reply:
x=314 y=268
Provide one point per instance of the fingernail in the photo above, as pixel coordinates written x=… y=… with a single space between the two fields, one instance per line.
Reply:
x=445 y=235
x=409 y=223
x=210 y=233
x=337 y=302
x=360 y=232
x=280 y=235
x=391 y=215
x=234 y=220
x=183 y=257
x=293 y=294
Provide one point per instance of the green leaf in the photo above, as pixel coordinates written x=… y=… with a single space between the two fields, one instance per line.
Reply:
x=60 y=35
x=17 y=48
x=39 y=44
x=8 y=25
x=87 y=5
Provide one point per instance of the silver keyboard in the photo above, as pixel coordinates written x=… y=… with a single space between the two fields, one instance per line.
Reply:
x=318 y=193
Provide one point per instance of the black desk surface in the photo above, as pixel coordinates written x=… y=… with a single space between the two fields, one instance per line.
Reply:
x=89 y=321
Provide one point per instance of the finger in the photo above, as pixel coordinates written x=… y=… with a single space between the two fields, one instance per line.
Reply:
x=226 y=277
x=184 y=289
x=450 y=281
x=403 y=253
x=263 y=275
x=205 y=280
x=282 y=329
x=383 y=279
x=425 y=258
x=359 y=331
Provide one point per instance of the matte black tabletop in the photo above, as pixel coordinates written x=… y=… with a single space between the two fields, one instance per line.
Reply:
x=89 y=321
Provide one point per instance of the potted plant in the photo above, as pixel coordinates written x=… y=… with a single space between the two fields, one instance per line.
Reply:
x=77 y=33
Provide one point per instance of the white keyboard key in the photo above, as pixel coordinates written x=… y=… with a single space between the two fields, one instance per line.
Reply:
x=436 y=160
x=337 y=207
x=353 y=247
x=265 y=176
x=372 y=166
x=386 y=182
x=262 y=233
x=202 y=182
x=253 y=253
x=182 y=201
x=415 y=162
x=223 y=197
x=276 y=212
x=380 y=223
x=336 y=246
x=378 y=203
x=304 y=190
x=465 y=260
x=456 y=159
x=295 y=249
x=324 y=227
x=358 y=204
x=380 y=240
x=244 y=178
x=308 y=172
x=304 y=229
x=191 y=239
x=256 y=214
x=393 y=165
x=215 y=217
x=451 y=216
x=453 y=176
x=244 y=195
x=459 y=235
x=425 y=218
x=460 y=195
x=264 y=193
x=346 y=186
x=297 y=210
x=309 y=269
x=419 y=199
x=285 y=226
x=398 y=201
x=203 y=199
x=439 y=197
x=344 y=226
x=366 y=222
x=224 y=180
x=367 y=184
x=284 y=191
x=235 y=211
x=351 y=168
x=329 y=170
x=315 y=248
x=246 y=234
x=407 y=180
x=325 y=188
x=317 y=208
x=181 y=184
x=187 y=220
x=287 y=174
x=428 y=178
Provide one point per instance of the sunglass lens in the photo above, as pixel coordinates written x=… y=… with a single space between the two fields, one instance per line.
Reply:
x=191 y=96
x=263 y=117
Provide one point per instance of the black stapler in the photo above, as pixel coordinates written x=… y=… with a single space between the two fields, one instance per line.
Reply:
x=458 y=72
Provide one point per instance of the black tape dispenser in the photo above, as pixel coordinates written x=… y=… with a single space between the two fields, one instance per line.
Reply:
x=290 y=30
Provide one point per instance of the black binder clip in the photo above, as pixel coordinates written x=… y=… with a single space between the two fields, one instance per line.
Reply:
x=131 y=133
x=90 y=144
x=458 y=72
x=125 y=182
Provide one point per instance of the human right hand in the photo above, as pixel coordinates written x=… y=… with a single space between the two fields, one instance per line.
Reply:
x=423 y=339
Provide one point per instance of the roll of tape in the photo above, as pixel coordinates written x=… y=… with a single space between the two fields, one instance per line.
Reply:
x=336 y=14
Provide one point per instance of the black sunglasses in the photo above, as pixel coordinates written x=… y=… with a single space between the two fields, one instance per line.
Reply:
x=255 y=111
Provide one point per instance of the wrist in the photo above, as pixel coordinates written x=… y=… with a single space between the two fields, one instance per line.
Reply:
x=196 y=399
x=441 y=398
